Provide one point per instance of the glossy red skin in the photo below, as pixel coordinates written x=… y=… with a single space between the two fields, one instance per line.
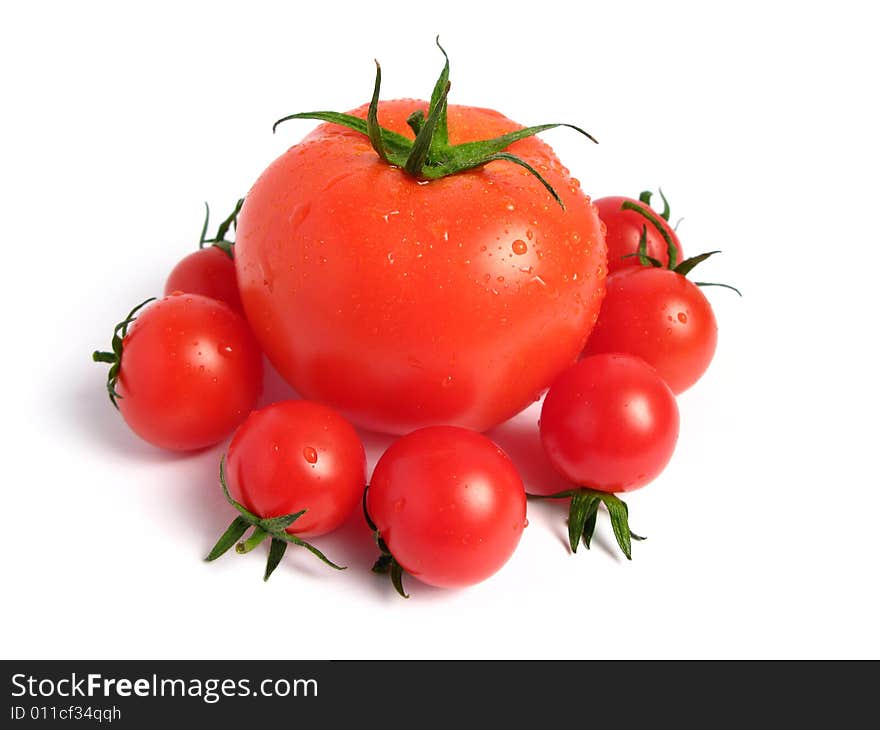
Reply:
x=449 y=505
x=191 y=372
x=623 y=229
x=209 y=272
x=661 y=317
x=609 y=423
x=407 y=304
x=297 y=455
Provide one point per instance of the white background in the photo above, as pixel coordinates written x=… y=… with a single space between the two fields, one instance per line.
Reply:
x=759 y=121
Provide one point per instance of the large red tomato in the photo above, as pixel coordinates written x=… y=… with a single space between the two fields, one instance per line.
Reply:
x=407 y=303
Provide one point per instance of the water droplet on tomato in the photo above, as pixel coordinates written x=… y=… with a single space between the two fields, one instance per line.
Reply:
x=529 y=234
x=500 y=279
x=225 y=350
x=447 y=381
x=525 y=523
x=175 y=293
x=310 y=455
x=519 y=247
x=390 y=257
x=510 y=206
x=682 y=317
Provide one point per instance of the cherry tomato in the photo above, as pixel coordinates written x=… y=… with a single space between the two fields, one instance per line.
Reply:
x=297 y=455
x=294 y=469
x=623 y=228
x=609 y=423
x=448 y=505
x=661 y=317
x=210 y=272
x=185 y=372
x=407 y=302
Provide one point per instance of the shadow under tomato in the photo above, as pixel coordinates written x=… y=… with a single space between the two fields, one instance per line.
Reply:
x=87 y=410
x=520 y=438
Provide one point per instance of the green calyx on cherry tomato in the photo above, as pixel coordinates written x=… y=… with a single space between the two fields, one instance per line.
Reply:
x=219 y=240
x=294 y=469
x=430 y=156
x=658 y=315
x=184 y=372
x=625 y=219
x=263 y=528
x=446 y=506
x=683 y=268
x=404 y=302
x=583 y=512
x=114 y=356
x=608 y=424
x=210 y=271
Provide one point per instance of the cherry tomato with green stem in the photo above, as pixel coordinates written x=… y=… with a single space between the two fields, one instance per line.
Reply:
x=609 y=424
x=210 y=271
x=293 y=470
x=184 y=371
x=624 y=219
x=659 y=315
x=447 y=506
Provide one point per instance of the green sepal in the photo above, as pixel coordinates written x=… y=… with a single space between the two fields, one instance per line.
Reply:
x=438 y=95
x=430 y=156
x=396 y=145
x=114 y=357
x=232 y=535
x=386 y=562
x=374 y=131
x=665 y=213
x=277 y=549
x=684 y=268
x=219 y=240
x=416 y=121
x=264 y=527
x=715 y=283
x=397 y=579
x=583 y=505
x=278 y=524
x=619 y=514
x=590 y=526
x=424 y=141
x=650 y=216
x=582 y=516
x=287 y=537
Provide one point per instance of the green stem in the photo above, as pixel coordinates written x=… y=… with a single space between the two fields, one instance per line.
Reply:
x=257 y=536
x=430 y=156
x=671 y=249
